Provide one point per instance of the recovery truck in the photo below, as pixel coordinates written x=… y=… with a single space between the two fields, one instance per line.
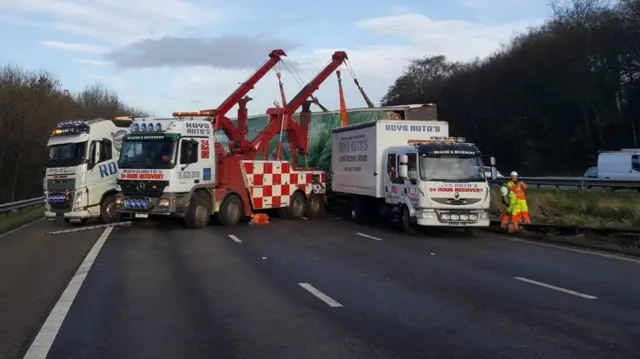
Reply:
x=81 y=172
x=175 y=167
x=410 y=172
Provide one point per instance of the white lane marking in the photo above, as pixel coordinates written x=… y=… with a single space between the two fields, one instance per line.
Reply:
x=19 y=228
x=583 y=251
x=368 y=236
x=568 y=291
x=47 y=334
x=235 y=239
x=323 y=297
x=305 y=218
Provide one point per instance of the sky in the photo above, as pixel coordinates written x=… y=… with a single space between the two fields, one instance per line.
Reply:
x=188 y=55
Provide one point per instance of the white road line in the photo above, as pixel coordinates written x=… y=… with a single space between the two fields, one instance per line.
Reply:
x=305 y=218
x=583 y=251
x=323 y=297
x=368 y=236
x=568 y=291
x=235 y=239
x=47 y=334
x=19 y=228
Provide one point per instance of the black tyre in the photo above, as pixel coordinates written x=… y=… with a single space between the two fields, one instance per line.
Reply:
x=315 y=206
x=358 y=211
x=231 y=210
x=407 y=224
x=297 y=205
x=108 y=209
x=199 y=212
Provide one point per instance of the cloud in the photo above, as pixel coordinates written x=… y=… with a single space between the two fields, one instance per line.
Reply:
x=88 y=62
x=377 y=66
x=75 y=47
x=238 y=51
x=117 y=22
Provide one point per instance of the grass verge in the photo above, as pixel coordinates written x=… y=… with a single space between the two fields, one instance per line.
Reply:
x=15 y=220
x=596 y=209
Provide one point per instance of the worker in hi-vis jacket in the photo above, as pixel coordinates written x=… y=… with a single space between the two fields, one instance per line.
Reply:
x=510 y=210
x=518 y=187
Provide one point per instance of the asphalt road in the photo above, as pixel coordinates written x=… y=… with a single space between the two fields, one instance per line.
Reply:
x=319 y=288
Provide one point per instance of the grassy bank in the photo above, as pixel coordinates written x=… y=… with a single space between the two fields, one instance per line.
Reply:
x=15 y=220
x=590 y=209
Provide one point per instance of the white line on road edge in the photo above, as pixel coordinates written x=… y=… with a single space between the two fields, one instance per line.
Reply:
x=583 y=251
x=323 y=297
x=235 y=239
x=305 y=218
x=368 y=236
x=568 y=291
x=47 y=334
x=19 y=228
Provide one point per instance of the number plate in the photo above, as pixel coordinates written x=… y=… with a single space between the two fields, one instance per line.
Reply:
x=59 y=215
x=141 y=215
x=456 y=224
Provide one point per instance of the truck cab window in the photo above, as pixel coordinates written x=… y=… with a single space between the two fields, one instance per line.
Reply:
x=392 y=167
x=412 y=166
x=105 y=151
x=635 y=163
x=188 y=151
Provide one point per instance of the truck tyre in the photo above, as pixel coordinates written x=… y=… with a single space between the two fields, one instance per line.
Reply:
x=407 y=224
x=358 y=211
x=315 y=206
x=231 y=210
x=297 y=205
x=108 y=209
x=198 y=213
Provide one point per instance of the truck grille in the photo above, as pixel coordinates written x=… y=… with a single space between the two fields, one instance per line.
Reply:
x=61 y=184
x=152 y=189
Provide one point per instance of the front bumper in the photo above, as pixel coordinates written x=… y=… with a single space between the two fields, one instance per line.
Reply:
x=141 y=207
x=68 y=215
x=450 y=218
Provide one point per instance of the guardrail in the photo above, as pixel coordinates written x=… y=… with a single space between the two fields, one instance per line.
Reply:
x=18 y=205
x=578 y=182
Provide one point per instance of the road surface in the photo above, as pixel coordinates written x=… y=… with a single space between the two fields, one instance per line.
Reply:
x=320 y=288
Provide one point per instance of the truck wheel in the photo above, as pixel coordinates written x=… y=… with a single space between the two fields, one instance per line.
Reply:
x=315 y=206
x=406 y=221
x=108 y=213
x=358 y=211
x=231 y=210
x=198 y=213
x=297 y=205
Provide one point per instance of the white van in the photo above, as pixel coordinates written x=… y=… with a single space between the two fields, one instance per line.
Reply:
x=621 y=165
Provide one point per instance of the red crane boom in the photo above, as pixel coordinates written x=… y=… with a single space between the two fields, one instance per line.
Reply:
x=221 y=122
x=298 y=134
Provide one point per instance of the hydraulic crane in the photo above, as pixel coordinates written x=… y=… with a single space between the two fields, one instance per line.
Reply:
x=237 y=135
x=281 y=119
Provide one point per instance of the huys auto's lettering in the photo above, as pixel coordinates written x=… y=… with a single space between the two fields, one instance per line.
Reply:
x=457 y=187
x=199 y=128
x=412 y=128
x=353 y=149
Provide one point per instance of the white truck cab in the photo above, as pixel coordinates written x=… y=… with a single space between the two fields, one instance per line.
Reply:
x=81 y=171
x=619 y=165
x=411 y=172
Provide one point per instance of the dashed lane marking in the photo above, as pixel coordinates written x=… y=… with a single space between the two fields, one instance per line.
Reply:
x=318 y=294
x=305 y=218
x=583 y=251
x=47 y=334
x=559 y=289
x=368 y=236
x=235 y=239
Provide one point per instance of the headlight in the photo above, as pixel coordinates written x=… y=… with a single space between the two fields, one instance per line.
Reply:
x=455 y=217
x=79 y=197
x=163 y=202
x=464 y=217
x=473 y=217
x=119 y=200
x=484 y=215
x=446 y=217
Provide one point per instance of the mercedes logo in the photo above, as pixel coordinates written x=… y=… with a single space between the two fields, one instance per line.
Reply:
x=141 y=186
x=456 y=195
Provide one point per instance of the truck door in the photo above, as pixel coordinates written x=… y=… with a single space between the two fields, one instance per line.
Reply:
x=393 y=185
x=102 y=177
x=411 y=184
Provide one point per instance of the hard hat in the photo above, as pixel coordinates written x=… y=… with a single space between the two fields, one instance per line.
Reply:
x=504 y=191
x=514 y=173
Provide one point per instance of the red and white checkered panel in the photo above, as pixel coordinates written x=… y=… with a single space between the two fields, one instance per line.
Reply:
x=271 y=183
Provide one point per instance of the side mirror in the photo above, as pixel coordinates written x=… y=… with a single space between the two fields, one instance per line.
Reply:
x=494 y=173
x=493 y=161
x=403 y=171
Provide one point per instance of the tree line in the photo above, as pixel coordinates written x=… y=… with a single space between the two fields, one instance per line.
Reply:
x=31 y=104
x=547 y=102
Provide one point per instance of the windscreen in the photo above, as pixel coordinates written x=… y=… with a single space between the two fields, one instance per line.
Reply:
x=68 y=154
x=148 y=153
x=451 y=168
